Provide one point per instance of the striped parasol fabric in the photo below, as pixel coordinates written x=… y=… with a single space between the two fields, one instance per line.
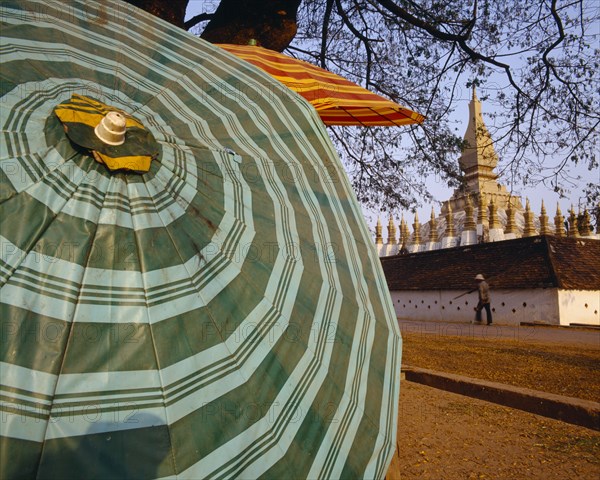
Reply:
x=222 y=315
x=338 y=100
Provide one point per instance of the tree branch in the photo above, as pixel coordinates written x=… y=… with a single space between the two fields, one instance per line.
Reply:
x=324 y=33
x=460 y=40
x=365 y=40
x=202 y=17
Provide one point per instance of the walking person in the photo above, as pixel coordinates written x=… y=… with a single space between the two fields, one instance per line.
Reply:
x=483 y=290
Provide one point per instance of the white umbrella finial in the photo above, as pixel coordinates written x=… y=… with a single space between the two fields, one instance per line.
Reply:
x=111 y=130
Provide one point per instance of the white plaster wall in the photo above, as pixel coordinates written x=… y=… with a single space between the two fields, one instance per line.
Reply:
x=388 y=249
x=496 y=235
x=509 y=307
x=468 y=237
x=579 y=306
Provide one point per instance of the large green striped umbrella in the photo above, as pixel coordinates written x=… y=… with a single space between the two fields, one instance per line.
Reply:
x=222 y=314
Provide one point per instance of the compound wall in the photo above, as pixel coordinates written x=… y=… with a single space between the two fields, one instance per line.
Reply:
x=509 y=307
x=579 y=307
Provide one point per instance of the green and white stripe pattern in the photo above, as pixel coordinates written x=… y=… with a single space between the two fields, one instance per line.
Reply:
x=223 y=315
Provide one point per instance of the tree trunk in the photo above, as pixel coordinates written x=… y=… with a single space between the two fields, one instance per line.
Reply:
x=272 y=23
x=173 y=11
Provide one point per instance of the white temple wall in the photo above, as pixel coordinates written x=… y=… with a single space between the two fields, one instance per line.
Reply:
x=509 y=307
x=496 y=235
x=387 y=249
x=579 y=306
x=468 y=237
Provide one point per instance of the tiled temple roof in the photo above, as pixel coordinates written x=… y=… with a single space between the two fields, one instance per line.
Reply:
x=530 y=262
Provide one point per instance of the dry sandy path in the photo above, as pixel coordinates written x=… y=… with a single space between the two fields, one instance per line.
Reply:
x=521 y=333
x=443 y=435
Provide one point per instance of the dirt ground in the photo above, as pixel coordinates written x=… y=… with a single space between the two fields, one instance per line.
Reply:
x=443 y=435
x=570 y=370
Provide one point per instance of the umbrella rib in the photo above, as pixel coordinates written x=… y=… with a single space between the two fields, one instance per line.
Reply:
x=71 y=325
x=388 y=118
x=353 y=116
x=139 y=247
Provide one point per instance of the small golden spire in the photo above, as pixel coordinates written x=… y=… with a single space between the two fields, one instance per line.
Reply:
x=573 y=228
x=378 y=237
x=391 y=231
x=417 y=230
x=559 y=222
x=401 y=229
x=432 y=227
x=544 y=228
x=470 y=225
x=511 y=227
x=482 y=217
x=405 y=234
x=529 y=228
x=449 y=222
x=586 y=224
x=494 y=220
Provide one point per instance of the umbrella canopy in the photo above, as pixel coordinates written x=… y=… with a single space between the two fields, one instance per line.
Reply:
x=338 y=100
x=222 y=314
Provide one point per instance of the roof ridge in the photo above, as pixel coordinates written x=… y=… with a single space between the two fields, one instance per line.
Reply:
x=550 y=251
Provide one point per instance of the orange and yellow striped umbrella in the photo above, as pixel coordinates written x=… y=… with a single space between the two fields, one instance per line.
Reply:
x=338 y=100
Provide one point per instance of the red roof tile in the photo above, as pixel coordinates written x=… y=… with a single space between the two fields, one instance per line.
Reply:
x=532 y=262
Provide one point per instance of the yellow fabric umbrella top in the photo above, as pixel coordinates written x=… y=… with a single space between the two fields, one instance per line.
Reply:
x=338 y=100
x=81 y=117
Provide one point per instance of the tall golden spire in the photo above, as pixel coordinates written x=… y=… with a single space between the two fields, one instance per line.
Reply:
x=479 y=157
